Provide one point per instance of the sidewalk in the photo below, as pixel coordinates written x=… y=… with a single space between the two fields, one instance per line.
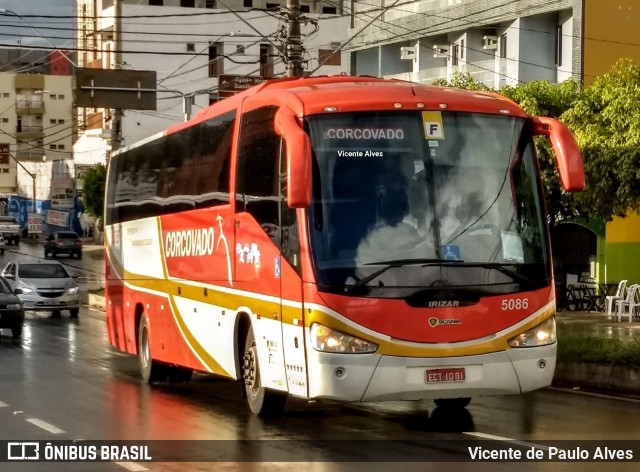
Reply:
x=599 y=324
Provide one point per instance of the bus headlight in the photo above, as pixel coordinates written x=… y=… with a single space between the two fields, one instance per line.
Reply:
x=329 y=340
x=541 y=335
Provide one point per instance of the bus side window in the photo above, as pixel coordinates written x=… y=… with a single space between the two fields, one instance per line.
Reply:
x=257 y=173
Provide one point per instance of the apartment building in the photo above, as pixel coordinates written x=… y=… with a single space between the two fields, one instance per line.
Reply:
x=190 y=44
x=498 y=42
x=37 y=125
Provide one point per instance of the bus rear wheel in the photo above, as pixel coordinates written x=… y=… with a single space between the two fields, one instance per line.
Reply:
x=452 y=403
x=150 y=370
x=262 y=401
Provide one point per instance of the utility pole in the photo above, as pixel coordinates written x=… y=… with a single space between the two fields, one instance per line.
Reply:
x=294 y=49
x=116 y=118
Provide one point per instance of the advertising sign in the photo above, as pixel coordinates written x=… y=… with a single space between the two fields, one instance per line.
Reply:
x=35 y=223
x=57 y=218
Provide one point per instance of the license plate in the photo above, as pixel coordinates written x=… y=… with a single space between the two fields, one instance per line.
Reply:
x=453 y=374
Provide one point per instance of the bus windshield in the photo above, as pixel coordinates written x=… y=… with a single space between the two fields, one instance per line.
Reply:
x=425 y=200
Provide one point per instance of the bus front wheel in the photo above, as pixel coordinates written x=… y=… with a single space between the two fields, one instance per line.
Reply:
x=262 y=401
x=151 y=371
x=452 y=403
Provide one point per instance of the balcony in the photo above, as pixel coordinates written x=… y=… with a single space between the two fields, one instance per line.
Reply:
x=30 y=107
x=30 y=132
x=33 y=154
x=422 y=76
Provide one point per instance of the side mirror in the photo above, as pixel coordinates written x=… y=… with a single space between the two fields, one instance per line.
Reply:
x=298 y=158
x=566 y=150
x=17 y=291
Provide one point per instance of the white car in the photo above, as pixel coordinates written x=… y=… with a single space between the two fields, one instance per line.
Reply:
x=45 y=286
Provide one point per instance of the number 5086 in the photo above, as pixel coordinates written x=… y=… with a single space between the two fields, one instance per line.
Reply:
x=515 y=304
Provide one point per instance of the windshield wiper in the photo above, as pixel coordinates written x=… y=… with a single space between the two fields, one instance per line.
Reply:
x=500 y=267
x=390 y=265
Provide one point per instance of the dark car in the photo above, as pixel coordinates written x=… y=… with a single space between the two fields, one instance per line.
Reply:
x=11 y=309
x=63 y=242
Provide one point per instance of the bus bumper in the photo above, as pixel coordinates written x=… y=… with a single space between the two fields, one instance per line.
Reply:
x=376 y=378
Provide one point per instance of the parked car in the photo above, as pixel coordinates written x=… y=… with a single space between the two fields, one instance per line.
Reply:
x=2 y=244
x=10 y=229
x=63 y=242
x=11 y=308
x=44 y=286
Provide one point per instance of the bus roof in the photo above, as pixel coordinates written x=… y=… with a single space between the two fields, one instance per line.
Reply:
x=312 y=95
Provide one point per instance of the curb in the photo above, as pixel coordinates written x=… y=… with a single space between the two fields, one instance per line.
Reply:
x=93 y=300
x=602 y=377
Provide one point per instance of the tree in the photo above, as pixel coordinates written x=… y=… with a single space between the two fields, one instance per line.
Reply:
x=606 y=123
x=93 y=190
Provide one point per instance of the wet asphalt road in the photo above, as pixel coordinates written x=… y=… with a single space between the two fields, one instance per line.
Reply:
x=63 y=381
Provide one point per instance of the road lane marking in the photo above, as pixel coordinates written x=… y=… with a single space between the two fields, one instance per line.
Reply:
x=44 y=425
x=132 y=466
x=510 y=440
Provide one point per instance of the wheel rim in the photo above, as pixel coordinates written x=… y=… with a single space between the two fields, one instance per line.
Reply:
x=144 y=351
x=250 y=371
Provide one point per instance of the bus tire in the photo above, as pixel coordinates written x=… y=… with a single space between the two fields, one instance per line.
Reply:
x=150 y=370
x=262 y=401
x=452 y=403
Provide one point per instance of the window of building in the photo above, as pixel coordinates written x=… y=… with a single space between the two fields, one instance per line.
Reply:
x=273 y=6
x=305 y=9
x=240 y=49
x=53 y=96
x=156 y=3
x=329 y=57
x=60 y=146
x=210 y=4
x=503 y=46
x=216 y=61
x=52 y=122
x=5 y=120
x=330 y=10
x=191 y=47
x=462 y=49
x=188 y=3
x=558 y=45
x=248 y=3
x=60 y=97
x=60 y=122
x=5 y=94
x=53 y=146
x=454 y=54
x=266 y=61
x=5 y=170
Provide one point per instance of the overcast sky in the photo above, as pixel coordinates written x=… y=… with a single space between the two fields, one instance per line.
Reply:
x=59 y=31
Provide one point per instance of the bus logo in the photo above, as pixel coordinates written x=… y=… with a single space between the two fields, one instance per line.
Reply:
x=433 y=321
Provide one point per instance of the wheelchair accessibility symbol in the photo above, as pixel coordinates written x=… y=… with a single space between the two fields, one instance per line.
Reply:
x=451 y=252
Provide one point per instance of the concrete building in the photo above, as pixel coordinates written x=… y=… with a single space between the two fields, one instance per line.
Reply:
x=190 y=44
x=37 y=125
x=498 y=42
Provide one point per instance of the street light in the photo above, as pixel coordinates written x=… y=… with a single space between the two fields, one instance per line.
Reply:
x=6 y=12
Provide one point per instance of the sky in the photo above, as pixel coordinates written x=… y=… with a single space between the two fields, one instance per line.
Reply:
x=14 y=30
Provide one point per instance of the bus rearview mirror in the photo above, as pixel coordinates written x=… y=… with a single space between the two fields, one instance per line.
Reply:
x=566 y=150
x=298 y=158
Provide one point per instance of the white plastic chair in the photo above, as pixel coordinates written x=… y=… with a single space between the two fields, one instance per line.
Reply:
x=621 y=294
x=628 y=306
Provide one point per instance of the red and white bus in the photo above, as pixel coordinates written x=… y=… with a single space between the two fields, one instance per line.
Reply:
x=344 y=238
